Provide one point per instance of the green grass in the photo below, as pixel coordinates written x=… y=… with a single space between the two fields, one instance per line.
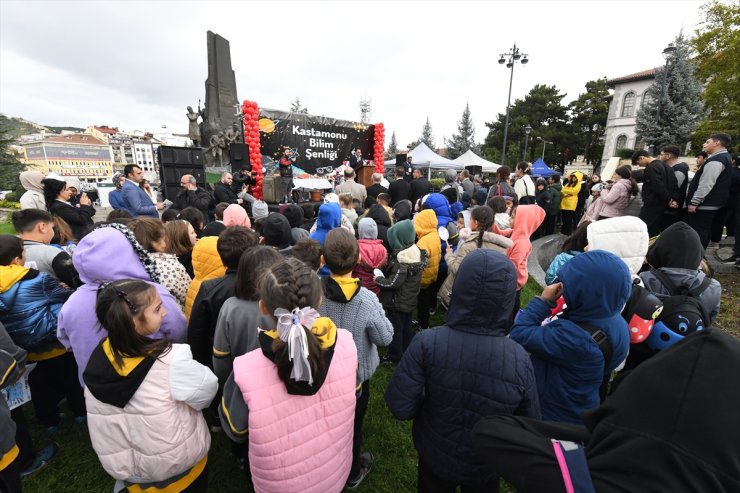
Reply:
x=76 y=468
x=6 y=228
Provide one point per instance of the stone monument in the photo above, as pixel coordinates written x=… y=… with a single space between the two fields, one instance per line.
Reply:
x=218 y=114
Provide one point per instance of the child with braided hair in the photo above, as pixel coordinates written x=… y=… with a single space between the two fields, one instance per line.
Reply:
x=479 y=235
x=299 y=419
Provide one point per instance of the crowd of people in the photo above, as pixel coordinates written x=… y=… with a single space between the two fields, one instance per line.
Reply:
x=160 y=328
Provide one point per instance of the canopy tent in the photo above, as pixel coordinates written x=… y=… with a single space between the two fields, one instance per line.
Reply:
x=539 y=168
x=472 y=159
x=424 y=157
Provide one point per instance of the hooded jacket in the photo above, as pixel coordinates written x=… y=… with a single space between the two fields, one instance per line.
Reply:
x=399 y=288
x=441 y=207
x=235 y=215
x=33 y=198
x=568 y=363
x=678 y=253
x=402 y=210
x=328 y=218
x=569 y=200
x=145 y=418
x=425 y=224
x=207 y=265
x=616 y=199
x=528 y=219
x=688 y=440
x=110 y=253
x=544 y=197
x=469 y=244
x=382 y=220
x=362 y=315
x=300 y=436
x=556 y=190
x=453 y=375
x=29 y=305
x=373 y=254
x=626 y=237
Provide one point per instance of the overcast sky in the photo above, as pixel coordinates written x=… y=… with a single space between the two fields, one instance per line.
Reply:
x=137 y=65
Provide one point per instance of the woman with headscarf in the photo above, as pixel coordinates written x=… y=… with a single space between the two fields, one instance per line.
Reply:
x=34 y=196
x=116 y=196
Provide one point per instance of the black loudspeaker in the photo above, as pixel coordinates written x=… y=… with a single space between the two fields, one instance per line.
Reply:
x=400 y=159
x=239 y=156
x=174 y=162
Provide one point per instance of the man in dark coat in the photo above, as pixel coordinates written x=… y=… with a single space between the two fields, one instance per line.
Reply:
x=376 y=188
x=658 y=185
x=420 y=186
x=453 y=375
x=192 y=195
x=223 y=191
x=355 y=160
x=399 y=189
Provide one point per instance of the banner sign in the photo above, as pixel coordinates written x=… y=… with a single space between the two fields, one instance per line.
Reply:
x=319 y=144
x=70 y=153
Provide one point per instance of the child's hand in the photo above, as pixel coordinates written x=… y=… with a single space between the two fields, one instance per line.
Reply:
x=552 y=292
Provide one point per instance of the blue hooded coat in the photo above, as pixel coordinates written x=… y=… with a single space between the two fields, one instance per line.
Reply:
x=441 y=207
x=568 y=363
x=453 y=375
x=328 y=218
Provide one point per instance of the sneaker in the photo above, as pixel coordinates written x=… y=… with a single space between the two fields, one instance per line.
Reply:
x=366 y=464
x=731 y=260
x=737 y=264
x=41 y=460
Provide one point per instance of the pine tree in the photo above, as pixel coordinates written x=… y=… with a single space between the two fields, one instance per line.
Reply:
x=427 y=136
x=296 y=106
x=392 y=146
x=671 y=117
x=10 y=167
x=464 y=139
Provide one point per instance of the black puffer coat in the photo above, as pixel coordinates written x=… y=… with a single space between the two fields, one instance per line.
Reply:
x=453 y=375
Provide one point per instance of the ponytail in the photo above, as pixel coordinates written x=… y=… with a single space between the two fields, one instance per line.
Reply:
x=626 y=173
x=484 y=217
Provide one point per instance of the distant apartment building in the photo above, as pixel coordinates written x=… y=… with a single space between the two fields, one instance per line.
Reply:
x=88 y=158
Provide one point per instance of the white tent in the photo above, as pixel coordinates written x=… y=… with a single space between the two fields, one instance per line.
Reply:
x=424 y=157
x=472 y=159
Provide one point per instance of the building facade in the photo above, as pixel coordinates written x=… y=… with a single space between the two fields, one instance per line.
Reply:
x=628 y=97
x=81 y=155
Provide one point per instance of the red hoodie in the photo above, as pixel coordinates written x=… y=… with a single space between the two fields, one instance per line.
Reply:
x=373 y=255
x=528 y=219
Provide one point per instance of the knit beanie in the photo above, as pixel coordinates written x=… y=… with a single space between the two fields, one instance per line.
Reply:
x=276 y=231
x=367 y=229
x=294 y=214
x=235 y=215
x=259 y=210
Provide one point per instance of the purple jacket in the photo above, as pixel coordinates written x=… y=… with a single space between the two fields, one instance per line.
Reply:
x=109 y=254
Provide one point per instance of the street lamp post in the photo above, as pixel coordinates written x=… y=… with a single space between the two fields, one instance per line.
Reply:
x=527 y=131
x=514 y=56
x=667 y=52
x=544 y=144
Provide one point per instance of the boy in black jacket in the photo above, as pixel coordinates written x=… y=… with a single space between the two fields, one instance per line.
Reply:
x=659 y=184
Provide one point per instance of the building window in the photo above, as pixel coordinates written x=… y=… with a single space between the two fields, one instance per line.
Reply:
x=621 y=143
x=644 y=100
x=628 y=104
x=639 y=145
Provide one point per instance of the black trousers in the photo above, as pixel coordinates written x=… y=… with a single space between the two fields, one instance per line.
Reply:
x=27 y=451
x=521 y=451
x=737 y=227
x=428 y=482
x=701 y=222
x=360 y=410
x=402 y=334
x=426 y=301
x=10 y=478
x=568 y=218
x=51 y=381
x=652 y=216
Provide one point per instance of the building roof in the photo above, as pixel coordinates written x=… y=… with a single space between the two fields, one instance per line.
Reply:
x=643 y=75
x=84 y=139
x=106 y=129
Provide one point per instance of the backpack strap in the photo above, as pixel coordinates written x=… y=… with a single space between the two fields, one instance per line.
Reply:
x=666 y=281
x=673 y=290
x=601 y=340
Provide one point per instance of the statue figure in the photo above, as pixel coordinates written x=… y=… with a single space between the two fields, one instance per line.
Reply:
x=215 y=148
x=193 y=129
x=231 y=134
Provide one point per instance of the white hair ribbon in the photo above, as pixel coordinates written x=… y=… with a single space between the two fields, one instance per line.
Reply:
x=290 y=330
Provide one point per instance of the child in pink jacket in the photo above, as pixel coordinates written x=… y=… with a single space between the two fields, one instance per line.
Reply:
x=293 y=399
x=373 y=254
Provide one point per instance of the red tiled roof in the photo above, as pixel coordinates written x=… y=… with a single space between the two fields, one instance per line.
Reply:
x=645 y=74
x=76 y=139
x=107 y=130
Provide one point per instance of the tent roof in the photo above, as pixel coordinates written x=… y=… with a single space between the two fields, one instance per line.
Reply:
x=539 y=168
x=423 y=156
x=472 y=159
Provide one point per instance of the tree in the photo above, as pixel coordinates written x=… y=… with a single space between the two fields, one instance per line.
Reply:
x=543 y=110
x=296 y=106
x=10 y=167
x=717 y=46
x=464 y=139
x=427 y=136
x=670 y=115
x=392 y=146
x=588 y=119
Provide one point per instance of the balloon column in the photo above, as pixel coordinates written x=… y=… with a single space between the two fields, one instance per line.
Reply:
x=378 y=148
x=252 y=139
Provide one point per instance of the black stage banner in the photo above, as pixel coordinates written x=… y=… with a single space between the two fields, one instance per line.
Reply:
x=319 y=144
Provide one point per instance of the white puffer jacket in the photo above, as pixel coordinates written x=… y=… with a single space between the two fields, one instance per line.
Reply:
x=626 y=237
x=160 y=432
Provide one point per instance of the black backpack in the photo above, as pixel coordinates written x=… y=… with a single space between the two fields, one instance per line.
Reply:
x=682 y=313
